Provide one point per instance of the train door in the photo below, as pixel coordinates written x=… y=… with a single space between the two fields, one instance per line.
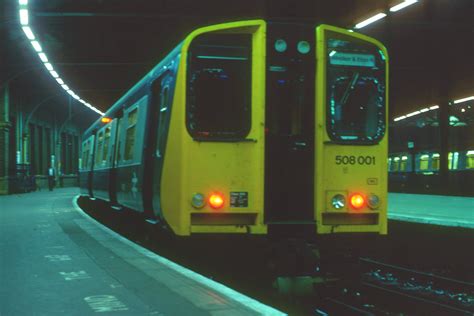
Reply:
x=289 y=146
x=162 y=94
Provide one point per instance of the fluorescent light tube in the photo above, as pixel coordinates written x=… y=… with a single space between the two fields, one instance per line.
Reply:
x=370 y=20
x=402 y=5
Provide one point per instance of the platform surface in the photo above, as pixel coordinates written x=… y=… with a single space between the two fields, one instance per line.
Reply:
x=432 y=209
x=54 y=260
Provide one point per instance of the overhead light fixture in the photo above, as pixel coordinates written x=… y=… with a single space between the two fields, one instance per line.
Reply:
x=48 y=66
x=43 y=57
x=24 y=21
x=370 y=20
x=402 y=5
x=463 y=100
x=24 y=17
x=434 y=107
x=332 y=53
x=29 y=34
x=36 y=46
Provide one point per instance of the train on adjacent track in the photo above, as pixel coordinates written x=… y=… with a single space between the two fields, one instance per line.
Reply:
x=251 y=127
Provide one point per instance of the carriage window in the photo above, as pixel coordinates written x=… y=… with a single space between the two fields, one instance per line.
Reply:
x=219 y=86
x=355 y=89
x=435 y=161
x=106 y=145
x=130 y=134
x=470 y=159
x=98 y=153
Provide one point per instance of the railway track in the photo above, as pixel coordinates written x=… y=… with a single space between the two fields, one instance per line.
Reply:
x=424 y=291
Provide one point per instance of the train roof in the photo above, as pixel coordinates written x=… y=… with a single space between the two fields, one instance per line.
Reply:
x=149 y=77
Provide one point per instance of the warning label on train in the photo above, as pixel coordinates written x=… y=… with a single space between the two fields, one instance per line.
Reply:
x=239 y=199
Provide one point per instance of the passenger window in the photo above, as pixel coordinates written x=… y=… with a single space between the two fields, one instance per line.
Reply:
x=219 y=86
x=396 y=164
x=435 y=162
x=470 y=159
x=130 y=134
x=403 y=164
x=424 y=162
x=106 y=145
x=98 y=153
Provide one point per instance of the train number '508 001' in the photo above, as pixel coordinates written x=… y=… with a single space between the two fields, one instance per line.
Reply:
x=353 y=160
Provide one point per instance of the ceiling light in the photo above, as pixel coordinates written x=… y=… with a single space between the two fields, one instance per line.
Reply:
x=54 y=74
x=399 y=118
x=434 y=107
x=36 y=46
x=370 y=20
x=65 y=87
x=43 y=57
x=60 y=81
x=332 y=53
x=463 y=100
x=28 y=32
x=48 y=66
x=24 y=17
x=402 y=5
x=23 y=2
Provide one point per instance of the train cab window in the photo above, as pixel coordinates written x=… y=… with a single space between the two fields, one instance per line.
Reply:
x=106 y=145
x=130 y=134
x=355 y=90
x=98 y=153
x=219 y=86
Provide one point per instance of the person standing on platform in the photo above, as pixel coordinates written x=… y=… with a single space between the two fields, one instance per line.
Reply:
x=51 y=174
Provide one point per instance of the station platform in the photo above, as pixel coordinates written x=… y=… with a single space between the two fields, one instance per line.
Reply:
x=432 y=209
x=55 y=260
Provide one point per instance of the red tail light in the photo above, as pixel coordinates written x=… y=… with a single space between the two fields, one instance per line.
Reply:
x=216 y=200
x=357 y=201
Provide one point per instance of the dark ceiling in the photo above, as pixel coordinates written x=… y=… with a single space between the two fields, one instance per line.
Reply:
x=102 y=47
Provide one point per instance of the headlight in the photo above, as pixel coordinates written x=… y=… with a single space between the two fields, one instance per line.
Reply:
x=373 y=201
x=198 y=200
x=338 y=201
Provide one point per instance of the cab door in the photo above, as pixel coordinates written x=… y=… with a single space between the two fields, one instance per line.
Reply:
x=162 y=89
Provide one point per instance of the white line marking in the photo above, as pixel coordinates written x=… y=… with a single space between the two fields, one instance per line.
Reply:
x=79 y=275
x=105 y=303
x=56 y=258
x=244 y=300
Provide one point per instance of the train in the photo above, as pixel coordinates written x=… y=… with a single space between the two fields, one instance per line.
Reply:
x=415 y=152
x=251 y=127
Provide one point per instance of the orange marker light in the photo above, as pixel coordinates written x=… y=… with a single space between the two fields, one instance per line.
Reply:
x=106 y=119
x=216 y=200
x=357 y=201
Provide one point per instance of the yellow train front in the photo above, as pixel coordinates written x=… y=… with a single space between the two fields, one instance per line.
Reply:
x=269 y=127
